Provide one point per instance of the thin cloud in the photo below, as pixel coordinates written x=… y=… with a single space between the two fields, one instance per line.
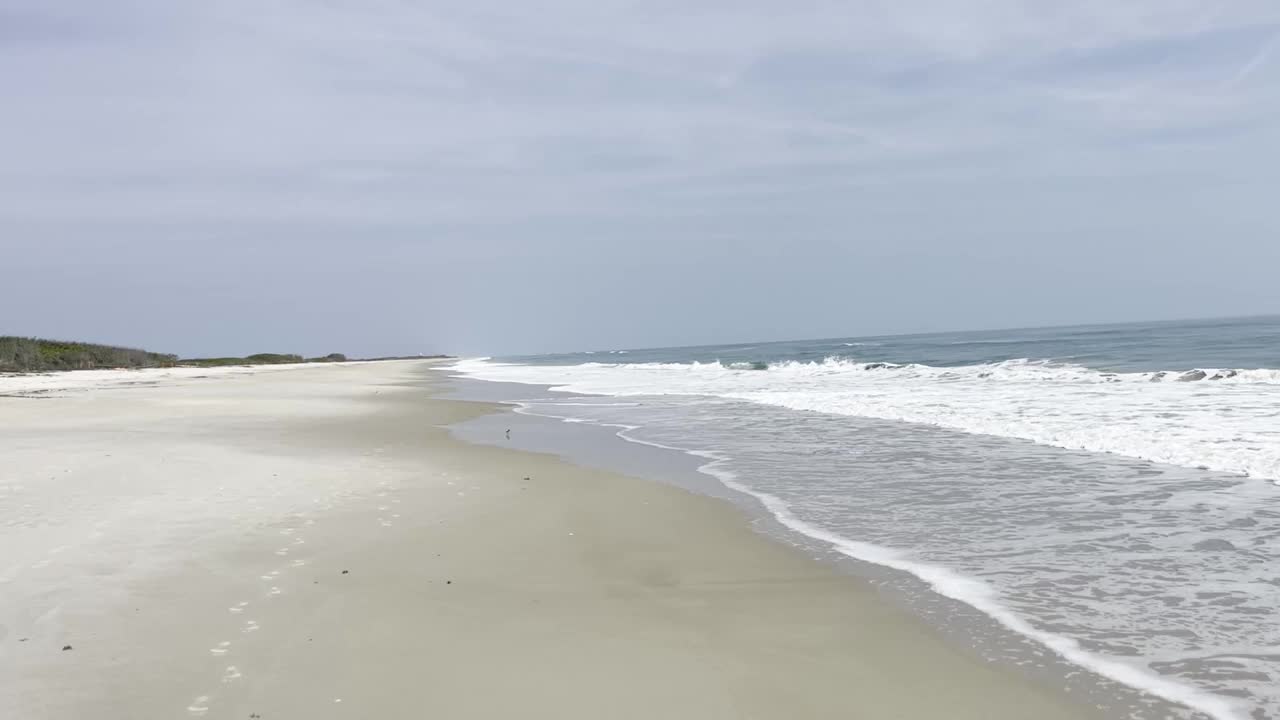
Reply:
x=1261 y=56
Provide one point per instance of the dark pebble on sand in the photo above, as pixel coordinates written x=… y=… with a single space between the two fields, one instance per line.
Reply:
x=66 y=647
x=344 y=572
x=448 y=582
x=22 y=639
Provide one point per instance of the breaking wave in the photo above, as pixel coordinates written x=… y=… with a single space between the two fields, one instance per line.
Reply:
x=1213 y=418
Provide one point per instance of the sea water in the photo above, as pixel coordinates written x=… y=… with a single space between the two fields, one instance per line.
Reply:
x=1107 y=493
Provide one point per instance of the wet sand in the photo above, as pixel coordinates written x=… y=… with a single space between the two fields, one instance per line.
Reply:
x=313 y=543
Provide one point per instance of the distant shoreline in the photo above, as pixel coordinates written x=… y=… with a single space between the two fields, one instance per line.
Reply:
x=185 y=364
x=38 y=355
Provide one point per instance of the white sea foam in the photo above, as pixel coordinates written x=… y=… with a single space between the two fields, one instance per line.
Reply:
x=1220 y=419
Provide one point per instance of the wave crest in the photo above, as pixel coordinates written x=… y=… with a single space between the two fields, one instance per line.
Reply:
x=1218 y=419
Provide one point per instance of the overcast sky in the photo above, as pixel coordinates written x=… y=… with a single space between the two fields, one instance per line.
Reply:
x=492 y=176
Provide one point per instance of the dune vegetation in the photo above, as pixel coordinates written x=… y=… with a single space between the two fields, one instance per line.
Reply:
x=20 y=354
x=25 y=354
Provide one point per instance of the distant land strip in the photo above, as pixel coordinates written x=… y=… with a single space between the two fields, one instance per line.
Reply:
x=26 y=354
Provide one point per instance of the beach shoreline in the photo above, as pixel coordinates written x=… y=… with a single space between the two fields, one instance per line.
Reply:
x=968 y=613
x=361 y=560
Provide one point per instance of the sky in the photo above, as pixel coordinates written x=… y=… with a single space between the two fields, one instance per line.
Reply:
x=495 y=177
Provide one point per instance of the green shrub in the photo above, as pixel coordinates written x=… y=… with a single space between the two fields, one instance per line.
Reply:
x=22 y=354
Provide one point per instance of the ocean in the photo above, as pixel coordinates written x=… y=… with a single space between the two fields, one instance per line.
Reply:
x=1108 y=495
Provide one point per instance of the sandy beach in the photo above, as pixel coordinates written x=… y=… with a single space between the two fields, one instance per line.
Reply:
x=313 y=543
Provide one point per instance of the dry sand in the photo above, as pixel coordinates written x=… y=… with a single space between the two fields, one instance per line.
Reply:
x=312 y=543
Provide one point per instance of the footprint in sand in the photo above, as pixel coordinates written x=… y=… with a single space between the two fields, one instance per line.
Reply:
x=298 y=563
x=222 y=649
x=274 y=591
x=251 y=626
x=238 y=608
x=282 y=551
x=199 y=706
x=231 y=674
